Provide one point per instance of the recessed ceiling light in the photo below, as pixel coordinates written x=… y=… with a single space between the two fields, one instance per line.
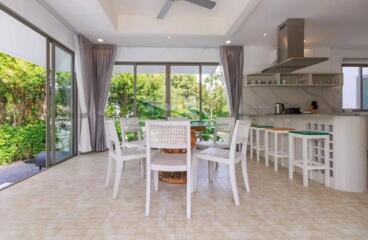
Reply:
x=169 y=37
x=100 y=40
x=264 y=34
x=228 y=41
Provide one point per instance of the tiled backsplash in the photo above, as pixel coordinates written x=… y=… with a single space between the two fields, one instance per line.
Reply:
x=261 y=100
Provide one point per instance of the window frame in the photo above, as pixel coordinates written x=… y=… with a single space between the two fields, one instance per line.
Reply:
x=360 y=66
x=168 y=66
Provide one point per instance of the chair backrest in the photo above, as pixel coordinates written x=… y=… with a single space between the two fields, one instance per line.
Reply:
x=168 y=134
x=112 y=137
x=240 y=136
x=129 y=125
x=224 y=125
x=177 y=119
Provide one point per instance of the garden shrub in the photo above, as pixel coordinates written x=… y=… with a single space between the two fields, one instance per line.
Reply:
x=20 y=143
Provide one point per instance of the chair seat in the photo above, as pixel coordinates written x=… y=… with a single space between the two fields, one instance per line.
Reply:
x=217 y=154
x=169 y=162
x=138 y=143
x=131 y=153
x=207 y=144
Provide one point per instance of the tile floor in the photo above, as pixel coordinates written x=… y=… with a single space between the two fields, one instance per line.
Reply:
x=69 y=202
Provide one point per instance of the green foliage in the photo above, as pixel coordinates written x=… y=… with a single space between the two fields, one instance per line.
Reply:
x=150 y=99
x=19 y=143
x=22 y=91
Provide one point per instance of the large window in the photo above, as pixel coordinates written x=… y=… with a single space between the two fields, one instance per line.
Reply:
x=156 y=91
x=355 y=89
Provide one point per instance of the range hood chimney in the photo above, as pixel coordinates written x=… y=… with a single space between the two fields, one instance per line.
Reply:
x=290 y=48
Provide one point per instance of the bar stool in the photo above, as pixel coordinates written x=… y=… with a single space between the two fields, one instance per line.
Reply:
x=308 y=164
x=277 y=151
x=259 y=131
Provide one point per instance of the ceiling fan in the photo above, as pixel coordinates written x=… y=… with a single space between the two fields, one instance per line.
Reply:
x=203 y=3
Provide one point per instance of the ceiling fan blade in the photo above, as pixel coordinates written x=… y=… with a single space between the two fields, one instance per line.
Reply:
x=165 y=9
x=203 y=3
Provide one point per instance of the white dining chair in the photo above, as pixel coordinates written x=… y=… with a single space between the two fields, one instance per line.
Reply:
x=230 y=157
x=224 y=126
x=131 y=125
x=119 y=155
x=168 y=135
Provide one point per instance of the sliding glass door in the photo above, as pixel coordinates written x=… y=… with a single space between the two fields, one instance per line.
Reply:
x=63 y=99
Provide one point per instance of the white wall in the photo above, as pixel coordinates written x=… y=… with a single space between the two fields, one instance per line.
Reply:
x=40 y=17
x=20 y=41
x=139 y=54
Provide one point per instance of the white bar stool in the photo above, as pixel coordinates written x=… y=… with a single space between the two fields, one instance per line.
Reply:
x=278 y=151
x=308 y=164
x=260 y=132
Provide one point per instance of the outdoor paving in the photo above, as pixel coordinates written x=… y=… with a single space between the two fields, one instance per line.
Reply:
x=16 y=171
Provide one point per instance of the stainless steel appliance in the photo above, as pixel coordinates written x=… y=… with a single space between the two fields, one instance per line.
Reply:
x=279 y=108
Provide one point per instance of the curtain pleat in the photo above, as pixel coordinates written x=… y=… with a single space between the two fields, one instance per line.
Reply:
x=232 y=61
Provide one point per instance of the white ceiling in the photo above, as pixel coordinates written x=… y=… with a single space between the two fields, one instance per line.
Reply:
x=337 y=23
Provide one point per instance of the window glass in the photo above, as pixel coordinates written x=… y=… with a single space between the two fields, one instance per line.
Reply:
x=351 y=88
x=215 y=102
x=184 y=92
x=365 y=88
x=121 y=95
x=151 y=98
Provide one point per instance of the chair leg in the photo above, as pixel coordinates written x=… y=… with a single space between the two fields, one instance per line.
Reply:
x=210 y=175
x=148 y=191
x=233 y=183
x=118 y=170
x=275 y=146
x=291 y=157
x=123 y=166
x=195 y=174
x=266 y=149
x=257 y=145
x=305 y=163
x=189 y=193
x=245 y=174
x=109 y=170
x=143 y=165
x=155 y=179
x=327 y=161
x=251 y=144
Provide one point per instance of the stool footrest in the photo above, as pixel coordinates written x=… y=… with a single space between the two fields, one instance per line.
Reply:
x=310 y=166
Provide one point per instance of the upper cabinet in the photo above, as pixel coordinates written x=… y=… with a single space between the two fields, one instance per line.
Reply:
x=294 y=79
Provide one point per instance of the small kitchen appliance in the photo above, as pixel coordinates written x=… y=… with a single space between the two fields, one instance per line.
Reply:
x=279 y=108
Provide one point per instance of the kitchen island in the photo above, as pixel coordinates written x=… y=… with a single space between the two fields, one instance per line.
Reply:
x=348 y=145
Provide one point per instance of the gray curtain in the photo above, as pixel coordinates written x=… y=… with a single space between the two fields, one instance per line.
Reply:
x=232 y=61
x=103 y=62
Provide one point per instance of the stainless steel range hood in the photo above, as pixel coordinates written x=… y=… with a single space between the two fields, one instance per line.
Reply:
x=290 y=48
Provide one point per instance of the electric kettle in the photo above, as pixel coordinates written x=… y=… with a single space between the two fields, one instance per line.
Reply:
x=279 y=108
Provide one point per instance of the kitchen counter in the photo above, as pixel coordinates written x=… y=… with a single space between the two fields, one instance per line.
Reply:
x=348 y=144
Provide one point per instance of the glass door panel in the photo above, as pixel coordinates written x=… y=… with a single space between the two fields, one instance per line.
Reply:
x=214 y=97
x=151 y=89
x=63 y=108
x=365 y=88
x=351 y=88
x=184 y=92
